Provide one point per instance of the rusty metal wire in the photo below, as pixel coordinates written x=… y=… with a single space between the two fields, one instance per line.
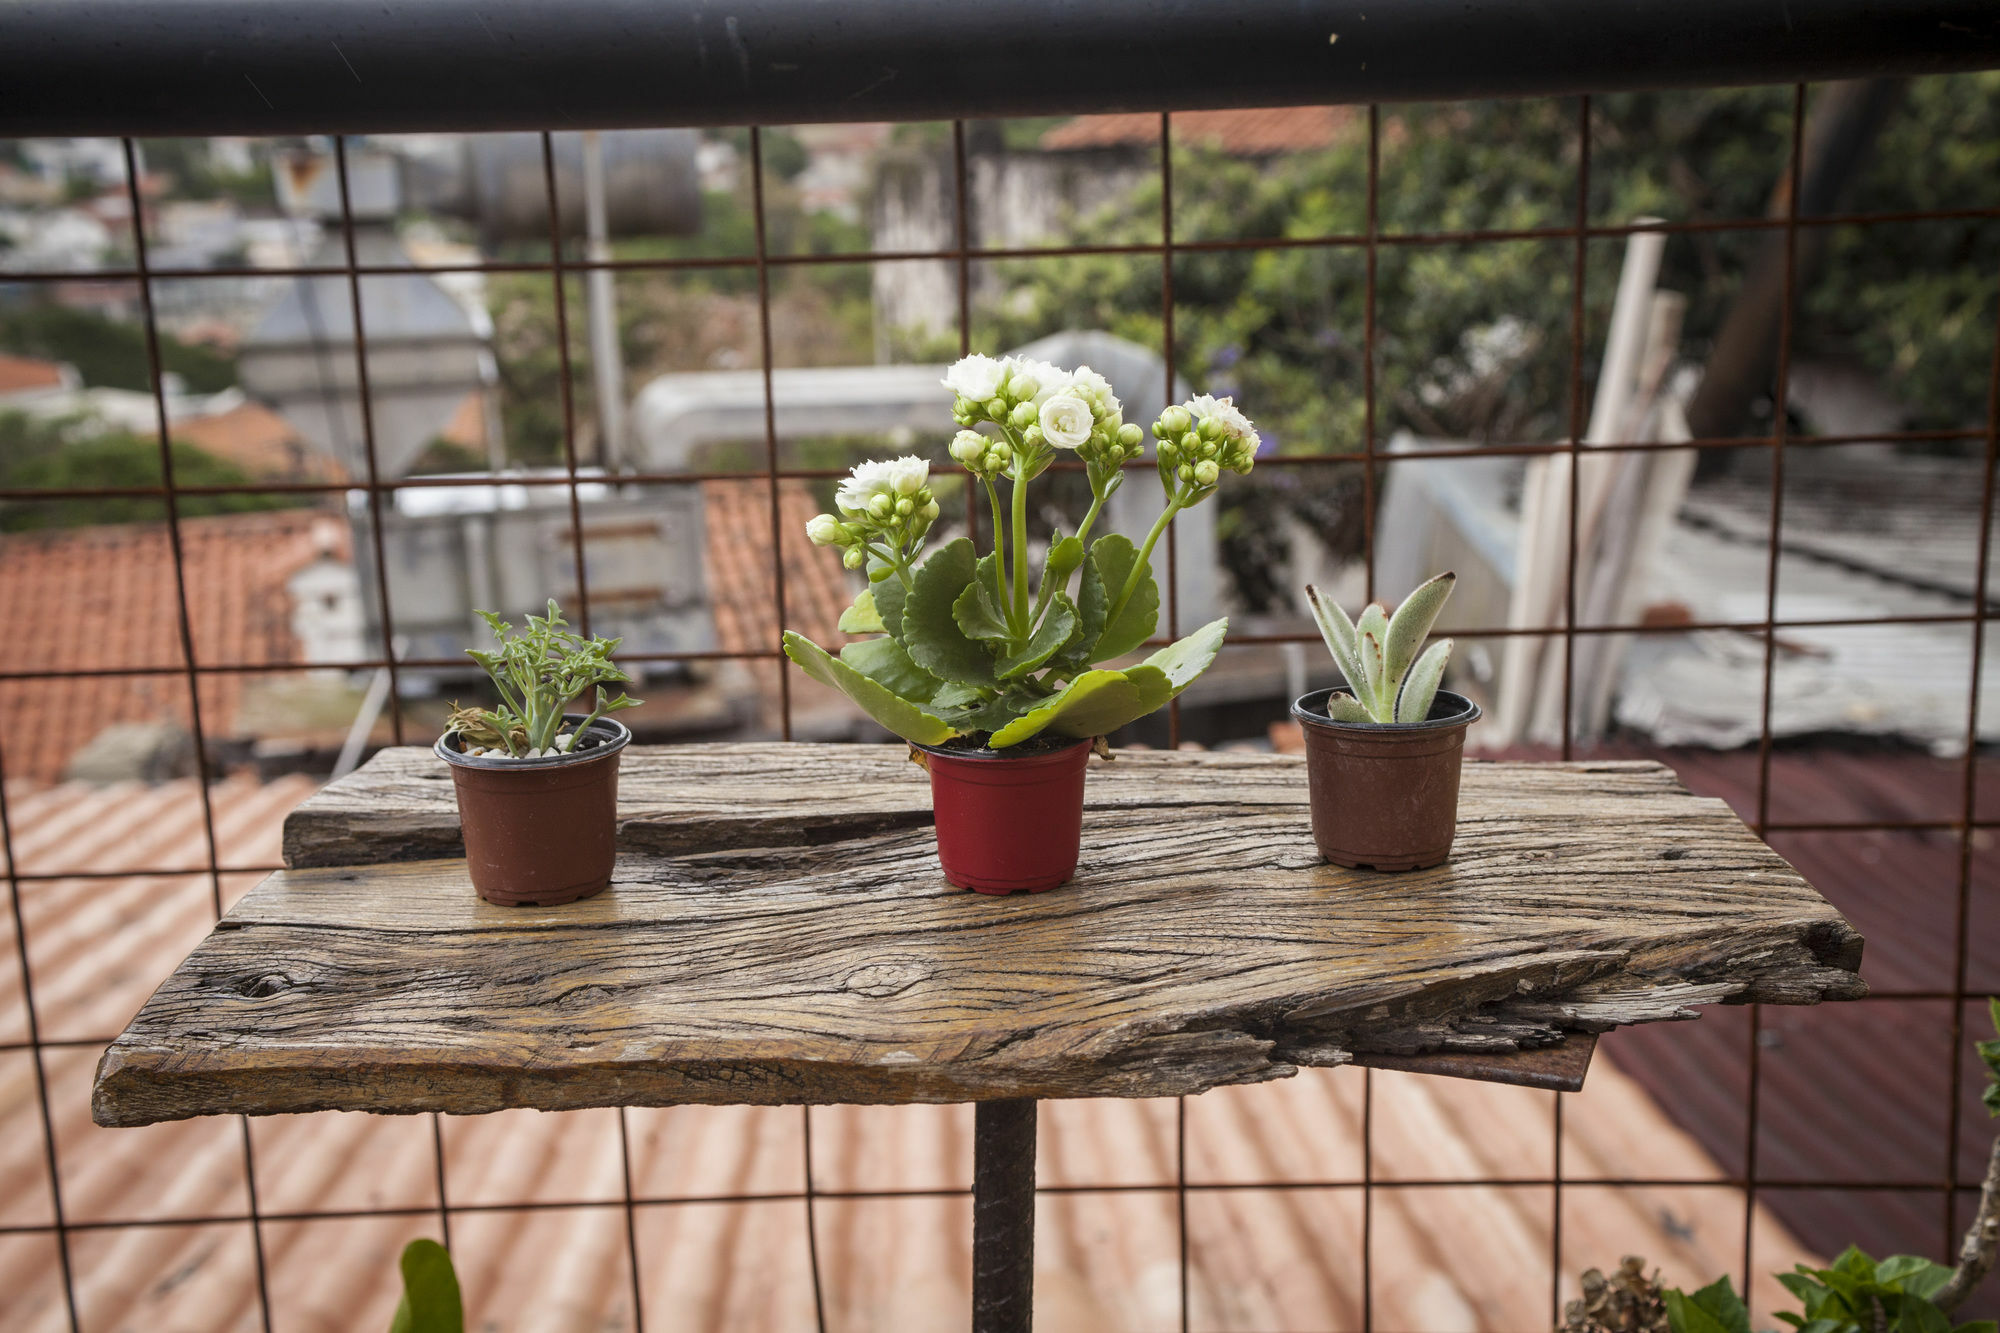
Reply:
x=966 y=250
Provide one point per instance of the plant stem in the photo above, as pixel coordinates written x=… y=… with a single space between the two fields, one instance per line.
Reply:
x=1982 y=1241
x=1090 y=517
x=999 y=546
x=1019 y=615
x=1145 y=560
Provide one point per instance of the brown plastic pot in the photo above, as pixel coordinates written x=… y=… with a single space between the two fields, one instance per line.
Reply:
x=540 y=831
x=1385 y=794
x=1008 y=823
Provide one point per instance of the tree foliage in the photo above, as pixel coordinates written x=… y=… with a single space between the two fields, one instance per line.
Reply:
x=108 y=353
x=43 y=455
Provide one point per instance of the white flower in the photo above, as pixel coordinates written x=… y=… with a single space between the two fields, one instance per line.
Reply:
x=1049 y=380
x=1066 y=421
x=1225 y=414
x=1094 y=389
x=892 y=478
x=823 y=530
x=976 y=377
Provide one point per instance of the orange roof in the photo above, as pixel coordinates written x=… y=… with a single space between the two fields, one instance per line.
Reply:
x=1255 y=132
x=739 y=567
x=104 y=597
x=18 y=373
x=260 y=442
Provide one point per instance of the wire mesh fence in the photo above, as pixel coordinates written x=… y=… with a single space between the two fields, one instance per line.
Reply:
x=763 y=264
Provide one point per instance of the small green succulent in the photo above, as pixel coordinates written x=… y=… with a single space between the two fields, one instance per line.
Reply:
x=1391 y=677
x=538 y=672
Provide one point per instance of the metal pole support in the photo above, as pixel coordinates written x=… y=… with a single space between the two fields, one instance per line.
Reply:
x=1003 y=1216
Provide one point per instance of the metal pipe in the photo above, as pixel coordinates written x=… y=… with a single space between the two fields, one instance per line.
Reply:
x=78 y=67
x=1003 y=1216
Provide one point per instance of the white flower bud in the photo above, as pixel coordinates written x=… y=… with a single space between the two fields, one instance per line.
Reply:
x=968 y=447
x=1205 y=473
x=881 y=506
x=855 y=557
x=824 y=530
x=1173 y=423
x=1131 y=436
x=930 y=513
x=906 y=506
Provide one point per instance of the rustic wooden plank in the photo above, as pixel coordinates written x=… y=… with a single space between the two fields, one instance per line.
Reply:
x=1202 y=943
x=1557 y=1068
x=399 y=805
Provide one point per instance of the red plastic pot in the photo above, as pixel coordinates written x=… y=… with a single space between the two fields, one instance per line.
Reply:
x=1385 y=794
x=540 y=831
x=1008 y=823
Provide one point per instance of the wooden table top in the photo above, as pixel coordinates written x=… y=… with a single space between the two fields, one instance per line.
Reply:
x=778 y=932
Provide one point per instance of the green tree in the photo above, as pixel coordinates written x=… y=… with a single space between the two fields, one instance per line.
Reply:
x=108 y=353
x=42 y=455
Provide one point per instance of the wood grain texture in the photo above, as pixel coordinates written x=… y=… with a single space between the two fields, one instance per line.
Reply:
x=797 y=943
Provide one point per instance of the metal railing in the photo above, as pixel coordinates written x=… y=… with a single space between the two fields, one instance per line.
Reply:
x=1959 y=820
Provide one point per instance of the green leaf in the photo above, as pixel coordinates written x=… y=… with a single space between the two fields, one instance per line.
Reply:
x=930 y=631
x=1092 y=601
x=1901 y=1268
x=993 y=714
x=431 y=1302
x=1420 y=687
x=1093 y=704
x=1369 y=631
x=1411 y=625
x=1978 y=1326
x=1065 y=555
x=1920 y=1316
x=1113 y=556
x=956 y=696
x=1054 y=631
x=1719 y=1298
x=1855 y=1262
x=898 y=714
x=1340 y=635
x=862 y=617
x=1184 y=659
x=1347 y=708
x=1827 y=1326
x=976 y=611
x=884 y=662
x=1684 y=1316
x=889 y=605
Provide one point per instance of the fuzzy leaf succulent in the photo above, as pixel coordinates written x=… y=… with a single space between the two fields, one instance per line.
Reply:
x=1391 y=676
x=971 y=645
x=538 y=672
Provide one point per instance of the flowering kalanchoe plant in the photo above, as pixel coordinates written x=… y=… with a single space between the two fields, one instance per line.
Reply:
x=969 y=645
x=537 y=672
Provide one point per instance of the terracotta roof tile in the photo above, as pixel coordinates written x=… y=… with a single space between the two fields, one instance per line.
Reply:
x=817 y=589
x=260 y=442
x=18 y=373
x=104 y=597
x=1255 y=132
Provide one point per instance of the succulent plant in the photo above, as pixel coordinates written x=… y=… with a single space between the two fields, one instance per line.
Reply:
x=1391 y=676
x=970 y=645
x=538 y=672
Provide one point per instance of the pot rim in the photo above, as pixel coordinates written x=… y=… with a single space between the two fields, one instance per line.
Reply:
x=986 y=756
x=1310 y=710
x=621 y=736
